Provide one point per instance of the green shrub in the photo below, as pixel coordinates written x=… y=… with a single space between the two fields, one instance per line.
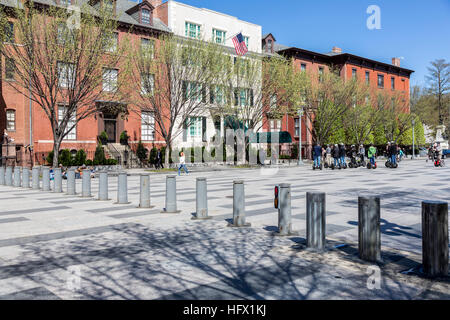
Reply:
x=80 y=158
x=111 y=162
x=152 y=157
x=141 y=152
x=104 y=135
x=49 y=158
x=89 y=162
x=99 y=157
x=65 y=158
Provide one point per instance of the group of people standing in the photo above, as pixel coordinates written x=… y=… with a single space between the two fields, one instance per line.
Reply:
x=338 y=152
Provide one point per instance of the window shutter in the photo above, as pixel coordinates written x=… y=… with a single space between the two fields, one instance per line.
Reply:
x=211 y=94
x=236 y=97
x=203 y=93
x=185 y=130
x=251 y=98
x=204 y=129
x=184 y=90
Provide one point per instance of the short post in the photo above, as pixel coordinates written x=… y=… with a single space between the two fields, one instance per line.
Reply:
x=103 y=186
x=171 y=195
x=201 y=202
x=284 y=211
x=57 y=181
x=144 y=195
x=17 y=176
x=71 y=184
x=315 y=220
x=122 y=188
x=25 y=178
x=86 y=184
x=239 y=205
x=435 y=238
x=46 y=179
x=369 y=236
x=2 y=175
x=8 y=176
x=35 y=178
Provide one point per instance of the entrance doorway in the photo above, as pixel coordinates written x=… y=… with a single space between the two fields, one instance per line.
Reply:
x=110 y=122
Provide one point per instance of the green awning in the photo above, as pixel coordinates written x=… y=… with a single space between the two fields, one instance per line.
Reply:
x=268 y=137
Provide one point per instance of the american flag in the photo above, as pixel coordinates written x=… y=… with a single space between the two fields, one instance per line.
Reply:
x=239 y=44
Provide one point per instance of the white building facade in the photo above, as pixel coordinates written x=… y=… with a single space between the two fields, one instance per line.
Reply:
x=200 y=23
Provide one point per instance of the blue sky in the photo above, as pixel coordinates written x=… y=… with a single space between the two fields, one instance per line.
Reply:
x=417 y=30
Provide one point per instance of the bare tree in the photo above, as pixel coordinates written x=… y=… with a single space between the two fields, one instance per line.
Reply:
x=60 y=64
x=170 y=81
x=439 y=84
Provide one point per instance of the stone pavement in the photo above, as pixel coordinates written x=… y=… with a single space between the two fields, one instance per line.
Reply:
x=54 y=246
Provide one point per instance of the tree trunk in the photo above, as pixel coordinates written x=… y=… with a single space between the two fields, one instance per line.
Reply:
x=56 y=145
x=166 y=159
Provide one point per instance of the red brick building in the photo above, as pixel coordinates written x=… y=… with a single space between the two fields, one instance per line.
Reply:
x=380 y=76
x=25 y=131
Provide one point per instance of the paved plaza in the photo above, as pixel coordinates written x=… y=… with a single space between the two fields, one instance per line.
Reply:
x=54 y=246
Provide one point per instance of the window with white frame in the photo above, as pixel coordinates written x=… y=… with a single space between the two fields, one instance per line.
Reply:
x=66 y=74
x=192 y=30
x=275 y=125
x=71 y=133
x=9 y=32
x=273 y=101
x=147 y=126
x=147 y=84
x=10 y=69
x=148 y=47
x=10 y=120
x=145 y=16
x=110 y=79
x=219 y=36
x=246 y=40
x=111 y=42
x=195 y=127
x=297 y=127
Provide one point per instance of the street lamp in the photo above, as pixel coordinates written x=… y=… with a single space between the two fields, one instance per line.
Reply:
x=413 y=150
x=300 y=114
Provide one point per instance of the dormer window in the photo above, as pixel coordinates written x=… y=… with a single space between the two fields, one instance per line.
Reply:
x=269 y=45
x=145 y=16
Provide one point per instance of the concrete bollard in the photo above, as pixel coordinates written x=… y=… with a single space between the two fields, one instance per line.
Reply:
x=8 y=176
x=25 y=178
x=86 y=184
x=315 y=220
x=17 y=176
x=2 y=175
x=171 y=195
x=435 y=238
x=71 y=183
x=57 y=181
x=35 y=177
x=103 y=186
x=284 y=211
x=46 y=179
x=239 y=204
x=201 y=202
x=144 y=195
x=369 y=236
x=122 y=188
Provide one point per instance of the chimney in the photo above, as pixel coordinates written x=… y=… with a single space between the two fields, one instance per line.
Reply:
x=336 y=50
x=396 y=62
x=155 y=3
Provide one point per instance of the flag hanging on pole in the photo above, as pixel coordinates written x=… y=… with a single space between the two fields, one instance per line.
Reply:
x=239 y=44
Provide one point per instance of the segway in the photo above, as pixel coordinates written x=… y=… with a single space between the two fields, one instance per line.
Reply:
x=370 y=166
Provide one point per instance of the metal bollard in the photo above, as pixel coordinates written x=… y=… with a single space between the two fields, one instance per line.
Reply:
x=2 y=175
x=103 y=186
x=315 y=220
x=8 y=176
x=35 y=178
x=86 y=184
x=46 y=179
x=17 y=176
x=171 y=195
x=284 y=211
x=57 y=181
x=71 y=183
x=239 y=204
x=122 y=188
x=25 y=178
x=144 y=195
x=435 y=238
x=201 y=204
x=369 y=236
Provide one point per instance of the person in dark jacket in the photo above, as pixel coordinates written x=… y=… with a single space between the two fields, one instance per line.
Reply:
x=335 y=153
x=342 y=154
x=317 y=153
x=159 y=160
x=393 y=152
